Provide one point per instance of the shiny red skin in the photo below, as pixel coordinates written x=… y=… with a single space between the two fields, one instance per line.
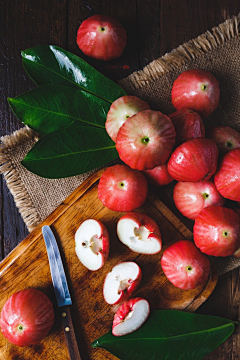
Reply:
x=227 y=177
x=31 y=309
x=125 y=308
x=158 y=176
x=191 y=197
x=122 y=189
x=225 y=137
x=188 y=125
x=187 y=92
x=216 y=231
x=184 y=265
x=195 y=160
x=146 y=140
x=102 y=37
x=120 y=110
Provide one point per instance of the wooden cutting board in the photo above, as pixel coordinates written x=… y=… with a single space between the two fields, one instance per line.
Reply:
x=27 y=267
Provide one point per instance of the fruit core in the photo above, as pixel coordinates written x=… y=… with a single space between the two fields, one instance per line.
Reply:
x=124 y=284
x=140 y=233
x=145 y=140
x=95 y=243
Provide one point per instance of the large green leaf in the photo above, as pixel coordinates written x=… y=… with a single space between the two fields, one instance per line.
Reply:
x=171 y=335
x=50 y=108
x=70 y=151
x=50 y=64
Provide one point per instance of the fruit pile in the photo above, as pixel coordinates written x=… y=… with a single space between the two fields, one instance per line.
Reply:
x=158 y=149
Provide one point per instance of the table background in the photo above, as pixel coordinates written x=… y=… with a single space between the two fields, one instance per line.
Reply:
x=154 y=27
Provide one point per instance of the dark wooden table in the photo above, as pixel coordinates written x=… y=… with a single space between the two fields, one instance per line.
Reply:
x=154 y=27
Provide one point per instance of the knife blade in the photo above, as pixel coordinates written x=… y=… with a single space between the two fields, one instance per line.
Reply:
x=61 y=291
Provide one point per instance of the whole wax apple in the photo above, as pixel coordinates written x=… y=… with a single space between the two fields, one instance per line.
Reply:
x=158 y=176
x=139 y=232
x=120 y=110
x=184 y=265
x=92 y=244
x=146 y=140
x=188 y=125
x=102 y=37
x=122 y=189
x=197 y=90
x=27 y=317
x=216 y=231
x=225 y=137
x=227 y=177
x=195 y=160
x=191 y=197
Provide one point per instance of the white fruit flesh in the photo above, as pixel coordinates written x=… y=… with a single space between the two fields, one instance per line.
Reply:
x=137 y=238
x=118 y=280
x=88 y=240
x=134 y=319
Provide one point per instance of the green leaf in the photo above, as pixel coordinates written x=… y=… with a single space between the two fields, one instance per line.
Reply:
x=50 y=108
x=171 y=335
x=70 y=151
x=48 y=64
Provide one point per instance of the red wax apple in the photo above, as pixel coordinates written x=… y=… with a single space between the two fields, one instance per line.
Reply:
x=122 y=189
x=27 y=317
x=92 y=244
x=191 y=197
x=195 y=160
x=121 y=282
x=227 y=177
x=225 y=137
x=140 y=233
x=197 y=90
x=216 y=231
x=146 y=140
x=130 y=316
x=102 y=37
x=184 y=265
x=188 y=125
x=158 y=176
x=120 y=110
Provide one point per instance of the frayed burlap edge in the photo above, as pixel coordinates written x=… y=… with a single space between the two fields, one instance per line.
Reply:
x=11 y=176
x=178 y=57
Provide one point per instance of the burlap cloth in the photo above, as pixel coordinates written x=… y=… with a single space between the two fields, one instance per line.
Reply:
x=216 y=50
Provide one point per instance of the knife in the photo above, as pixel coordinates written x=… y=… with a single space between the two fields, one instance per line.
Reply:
x=61 y=291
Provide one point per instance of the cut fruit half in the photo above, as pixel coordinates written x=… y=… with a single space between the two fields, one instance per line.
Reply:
x=121 y=282
x=130 y=316
x=92 y=244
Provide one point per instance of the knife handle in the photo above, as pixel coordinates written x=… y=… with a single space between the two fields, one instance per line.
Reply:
x=69 y=333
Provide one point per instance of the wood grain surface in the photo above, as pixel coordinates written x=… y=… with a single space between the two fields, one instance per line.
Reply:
x=28 y=265
x=154 y=27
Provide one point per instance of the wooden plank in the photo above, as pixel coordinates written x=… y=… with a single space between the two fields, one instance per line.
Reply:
x=28 y=265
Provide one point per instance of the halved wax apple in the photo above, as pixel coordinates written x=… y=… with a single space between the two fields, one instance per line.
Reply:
x=140 y=233
x=92 y=244
x=121 y=282
x=130 y=316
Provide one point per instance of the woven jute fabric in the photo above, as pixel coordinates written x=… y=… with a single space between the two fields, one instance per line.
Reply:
x=217 y=50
